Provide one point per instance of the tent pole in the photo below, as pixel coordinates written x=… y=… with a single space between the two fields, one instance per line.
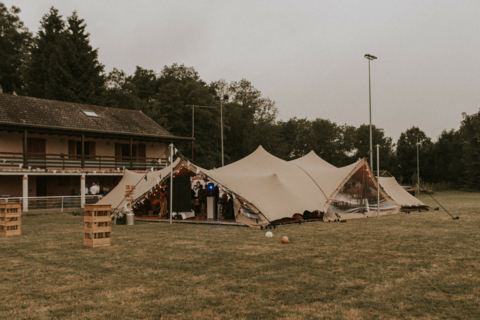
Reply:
x=171 y=182
x=378 y=180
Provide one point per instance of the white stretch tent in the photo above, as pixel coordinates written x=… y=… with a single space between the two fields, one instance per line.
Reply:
x=273 y=188
x=402 y=197
x=279 y=189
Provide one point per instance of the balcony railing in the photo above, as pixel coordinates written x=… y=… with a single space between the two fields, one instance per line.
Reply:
x=66 y=161
x=54 y=204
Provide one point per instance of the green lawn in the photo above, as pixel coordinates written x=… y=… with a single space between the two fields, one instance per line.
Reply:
x=418 y=265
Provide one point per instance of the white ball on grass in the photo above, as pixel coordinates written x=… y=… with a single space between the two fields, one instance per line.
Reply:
x=268 y=234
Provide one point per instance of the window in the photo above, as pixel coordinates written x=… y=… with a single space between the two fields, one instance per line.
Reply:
x=122 y=151
x=90 y=113
x=75 y=149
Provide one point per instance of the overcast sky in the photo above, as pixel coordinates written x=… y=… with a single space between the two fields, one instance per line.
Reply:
x=308 y=56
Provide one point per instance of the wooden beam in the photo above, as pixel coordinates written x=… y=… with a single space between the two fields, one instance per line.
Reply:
x=131 y=153
x=83 y=151
x=25 y=149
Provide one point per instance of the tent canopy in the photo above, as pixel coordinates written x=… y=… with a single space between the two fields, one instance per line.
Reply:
x=117 y=197
x=277 y=188
x=399 y=194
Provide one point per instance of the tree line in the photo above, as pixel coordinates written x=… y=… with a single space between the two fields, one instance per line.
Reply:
x=59 y=63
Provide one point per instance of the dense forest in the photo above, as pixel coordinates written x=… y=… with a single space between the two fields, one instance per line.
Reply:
x=59 y=63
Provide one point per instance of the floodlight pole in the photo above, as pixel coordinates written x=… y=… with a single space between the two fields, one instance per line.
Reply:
x=171 y=183
x=378 y=180
x=370 y=57
x=418 y=166
x=221 y=129
x=193 y=123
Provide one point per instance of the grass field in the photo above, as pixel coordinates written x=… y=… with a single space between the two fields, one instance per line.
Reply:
x=415 y=266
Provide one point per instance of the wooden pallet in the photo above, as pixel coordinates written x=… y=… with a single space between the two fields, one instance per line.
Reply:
x=97 y=226
x=10 y=219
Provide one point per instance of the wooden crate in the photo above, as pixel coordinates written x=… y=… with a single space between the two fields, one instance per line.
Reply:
x=10 y=219
x=97 y=227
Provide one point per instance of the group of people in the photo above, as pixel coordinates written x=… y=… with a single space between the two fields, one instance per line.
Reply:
x=199 y=202
x=93 y=190
x=155 y=201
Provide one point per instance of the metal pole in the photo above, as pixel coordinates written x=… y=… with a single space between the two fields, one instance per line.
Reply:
x=378 y=180
x=221 y=129
x=193 y=131
x=370 y=109
x=171 y=182
x=418 y=167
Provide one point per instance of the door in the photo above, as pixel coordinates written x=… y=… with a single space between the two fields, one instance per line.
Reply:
x=118 y=153
x=141 y=152
x=91 y=149
x=72 y=149
x=41 y=186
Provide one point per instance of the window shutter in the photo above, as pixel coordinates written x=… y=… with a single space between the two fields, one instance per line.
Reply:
x=141 y=152
x=72 y=149
x=91 y=149
x=118 y=151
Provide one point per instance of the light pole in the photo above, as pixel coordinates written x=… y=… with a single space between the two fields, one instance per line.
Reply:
x=370 y=57
x=193 y=122
x=225 y=97
x=221 y=128
x=418 y=166
x=378 y=181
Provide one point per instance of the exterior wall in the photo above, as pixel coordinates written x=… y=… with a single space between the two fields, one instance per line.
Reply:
x=13 y=186
x=155 y=150
x=11 y=142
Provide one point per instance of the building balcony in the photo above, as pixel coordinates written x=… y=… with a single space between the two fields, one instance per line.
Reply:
x=10 y=161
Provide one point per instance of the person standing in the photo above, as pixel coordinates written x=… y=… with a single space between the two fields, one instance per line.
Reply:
x=202 y=197
x=216 y=193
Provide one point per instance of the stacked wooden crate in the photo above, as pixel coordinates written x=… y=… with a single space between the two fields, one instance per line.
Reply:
x=10 y=219
x=97 y=225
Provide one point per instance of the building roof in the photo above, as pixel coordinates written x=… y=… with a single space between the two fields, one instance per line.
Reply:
x=35 y=112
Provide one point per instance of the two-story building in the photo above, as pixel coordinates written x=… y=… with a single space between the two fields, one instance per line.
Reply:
x=53 y=148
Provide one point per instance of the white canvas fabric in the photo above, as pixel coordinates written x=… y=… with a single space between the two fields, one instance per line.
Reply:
x=277 y=188
x=116 y=197
x=327 y=176
x=331 y=179
x=398 y=194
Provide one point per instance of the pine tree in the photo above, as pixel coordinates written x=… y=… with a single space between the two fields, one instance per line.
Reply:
x=82 y=62
x=63 y=65
x=47 y=72
x=14 y=44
